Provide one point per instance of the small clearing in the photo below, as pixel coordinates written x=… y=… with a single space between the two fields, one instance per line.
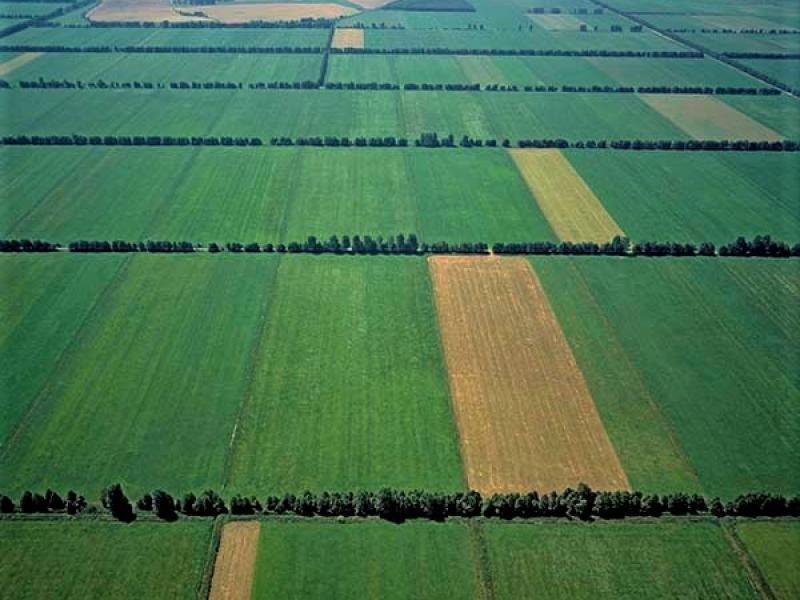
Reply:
x=569 y=205
x=524 y=412
x=17 y=62
x=348 y=37
x=236 y=559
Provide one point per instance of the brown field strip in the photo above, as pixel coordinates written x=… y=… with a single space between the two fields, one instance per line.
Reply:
x=575 y=214
x=525 y=416
x=279 y=11
x=17 y=62
x=348 y=37
x=139 y=10
x=708 y=118
x=236 y=559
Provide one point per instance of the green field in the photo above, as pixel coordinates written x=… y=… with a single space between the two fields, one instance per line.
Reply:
x=781 y=113
x=238 y=68
x=17 y=9
x=349 y=358
x=745 y=42
x=145 y=395
x=317 y=559
x=785 y=71
x=93 y=559
x=267 y=195
x=774 y=546
x=692 y=364
x=692 y=197
x=613 y=560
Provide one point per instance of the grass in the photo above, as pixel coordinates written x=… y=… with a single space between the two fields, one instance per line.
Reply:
x=785 y=71
x=745 y=42
x=16 y=9
x=780 y=113
x=268 y=195
x=615 y=560
x=691 y=365
x=774 y=546
x=349 y=390
x=371 y=559
x=695 y=197
x=148 y=391
x=63 y=559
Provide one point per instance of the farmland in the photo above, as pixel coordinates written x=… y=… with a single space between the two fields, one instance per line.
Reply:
x=773 y=546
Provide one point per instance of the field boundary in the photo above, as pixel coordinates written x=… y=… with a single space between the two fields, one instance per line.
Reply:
x=481 y=560
x=752 y=571
x=204 y=585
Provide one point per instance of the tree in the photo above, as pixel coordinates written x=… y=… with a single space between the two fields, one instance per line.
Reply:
x=54 y=501
x=210 y=504
x=6 y=504
x=164 y=505
x=114 y=499
x=716 y=508
x=145 y=503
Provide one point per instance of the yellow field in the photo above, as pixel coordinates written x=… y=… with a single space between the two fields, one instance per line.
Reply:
x=348 y=37
x=525 y=416
x=17 y=62
x=707 y=118
x=569 y=205
x=236 y=559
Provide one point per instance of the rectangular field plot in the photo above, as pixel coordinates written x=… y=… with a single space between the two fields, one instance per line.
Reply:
x=237 y=68
x=693 y=360
x=148 y=391
x=28 y=9
x=774 y=546
x=372 y=559
x=349 y=389
x=266 y=195
x=695 y=197
x=779 y=113
x=746 y=42
x=96 y=559
x=785 y=71
x=689 y=72
x=613 y=560
x=525 y=417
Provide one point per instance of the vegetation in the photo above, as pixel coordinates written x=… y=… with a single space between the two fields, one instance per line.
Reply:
x=773 y=546
x=431 y=5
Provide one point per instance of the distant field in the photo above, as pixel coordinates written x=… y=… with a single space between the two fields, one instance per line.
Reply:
x=780 y=113
x=144 y=396
x=774 y=545
x=688 y=72
x=785 y=71
x=214 y=194
x=718 y=21
x=16 y=9
x=94 y=559
x=316 y=559
x=695 y=197
x=648 y=334
x=745 y=42
x=613 y=560
x=237 y=68
x=349 y=389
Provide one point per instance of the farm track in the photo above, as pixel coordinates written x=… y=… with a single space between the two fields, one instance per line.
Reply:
x=754 y=574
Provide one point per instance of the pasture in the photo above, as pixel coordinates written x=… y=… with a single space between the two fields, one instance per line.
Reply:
x=95 y=559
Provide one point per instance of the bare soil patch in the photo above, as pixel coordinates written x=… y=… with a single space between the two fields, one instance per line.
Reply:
x=524 y=412
x=139 y=10
x=242 y=13
x=236 y=559
x=348 y=38
x=17 y=62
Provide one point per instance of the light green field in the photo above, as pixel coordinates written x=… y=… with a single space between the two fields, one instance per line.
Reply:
x=266 y=195
x=149 y=390
x=5 y=22
x=746 y=42
x=17 y=9
x=696 y=197
x=785 y=71
x=237 y=68
x=613 y=560
x=85 y=560
x=774 y=546
x=350 y=390
x=781 y=113
x=376 y=559
x=692 y=364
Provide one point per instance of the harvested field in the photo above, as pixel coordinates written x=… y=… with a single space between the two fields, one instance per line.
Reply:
x=569 y=205
x=368 y=4
x=137 y=10
x=236 y=560
x=17 y=62
x=557 y=22
x=348 y=38
x=242 y=13
x=525 y=416
x=706 y=118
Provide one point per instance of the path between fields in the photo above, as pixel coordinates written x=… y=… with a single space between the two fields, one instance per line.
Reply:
x=236 y=560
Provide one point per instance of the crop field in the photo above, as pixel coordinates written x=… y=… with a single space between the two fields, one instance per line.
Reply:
x=779 y=113
x=188 y=195
x=774 y=546
x=785 y=71
x=743 y=42
x=93 y=559
x=235 y=561
x=350 y=358
x=614 y=560
x=25 y=9
x=381 y=560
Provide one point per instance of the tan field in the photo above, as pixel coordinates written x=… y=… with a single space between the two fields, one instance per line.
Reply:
x=17 y=62
x=348 y=38
x=372 y=3
x=557 y=22
x=525 y=417
x=242 y=13
x=707 y=118
x=236 y=559
x=569 y=205
x=139 y=10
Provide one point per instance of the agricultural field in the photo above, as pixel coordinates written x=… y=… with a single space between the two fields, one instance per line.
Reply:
x=774 y=546
x=28 y=9
x=785 y=71
x=95 y=559
x=746 y=42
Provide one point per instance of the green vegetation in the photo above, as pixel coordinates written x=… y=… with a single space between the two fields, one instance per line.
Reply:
x=349 y=358
x=785 y=71
x=431 y=5
x=27 y=9
x=693 y=360
x=614 y=560
x=774 y=546
x=149 y=391
x=781 y=113
x=743 y=42
x=375 y=559
x=94 y=559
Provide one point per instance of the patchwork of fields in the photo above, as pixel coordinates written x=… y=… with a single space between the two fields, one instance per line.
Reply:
x=284 y=372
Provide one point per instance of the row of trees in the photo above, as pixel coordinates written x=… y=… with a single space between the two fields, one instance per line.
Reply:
x=127 y=140
x=526 y=52
x=397 y=505
x=167 y=49
x=304 y=23
x=676 y=145
x=163 y=246
x=764 y=55
x=743 y=30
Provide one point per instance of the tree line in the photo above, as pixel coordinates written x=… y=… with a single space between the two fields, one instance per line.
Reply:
x=760 y=246
x=749 y=31
x=166 y=49
x=127 y=140
x=764 y=55
x=594 y=53
x=304 y=23
x=580 y=503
